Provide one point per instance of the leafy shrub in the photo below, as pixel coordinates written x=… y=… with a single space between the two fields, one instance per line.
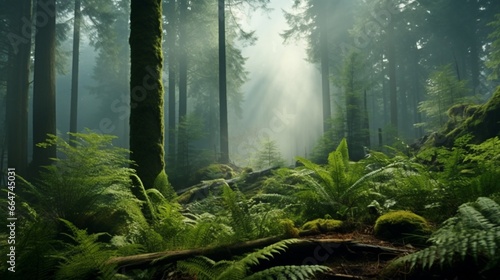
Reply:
x=400 y=225
x=328 y=189
x=470 y=239
x=88 y=185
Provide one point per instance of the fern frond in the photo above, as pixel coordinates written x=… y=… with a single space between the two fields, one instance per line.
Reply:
x=240 y=218
x=473 y=232
x=267 y=252
x=289 y=272
x=200 y=266
x=343 y=150
x=86 y=258
x=322 y=173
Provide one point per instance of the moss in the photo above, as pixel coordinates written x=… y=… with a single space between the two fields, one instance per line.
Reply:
x=213 y=171
x=321 y=226
x=401 y=226
x=146 y=95
x=483 y=124
x=161 y=183
x=290 y=231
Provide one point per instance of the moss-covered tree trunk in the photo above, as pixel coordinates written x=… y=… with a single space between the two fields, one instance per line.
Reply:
x=171 y=37
x=146 y=90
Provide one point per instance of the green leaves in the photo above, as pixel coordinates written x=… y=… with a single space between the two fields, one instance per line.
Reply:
x=89 y=183
x=328 y=189
x=84 y=258
x=444 y=89
x=205 y=268
x=474 y=232
x=493 y=61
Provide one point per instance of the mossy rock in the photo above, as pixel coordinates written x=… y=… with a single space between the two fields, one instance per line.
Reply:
x=214 y=171
x=290 y=231
x=404 y=226
x=321 y=226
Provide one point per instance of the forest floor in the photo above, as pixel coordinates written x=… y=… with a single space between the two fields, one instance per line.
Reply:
x=362 y=264
x=361 y=256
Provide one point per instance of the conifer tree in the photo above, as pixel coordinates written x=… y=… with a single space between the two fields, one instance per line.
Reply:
x=146 y=96
x=44 y=86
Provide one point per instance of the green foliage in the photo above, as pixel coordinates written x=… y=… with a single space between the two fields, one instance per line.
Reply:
x=161 y=183
x=493 y=61
x=230 y=218
x=205 y=268
x=89 y=184
x=84 y=257
x=327 y=189
x=465 y=172
x=268 y=155
x=36 y=237
x=213 y=171
x=354 y=83
x=397 y=182
x=290 y=230
x=474 y=232
x=443 y=90
x=239 y=216
x=484 y=159
x=400 y=225
x=330 y=139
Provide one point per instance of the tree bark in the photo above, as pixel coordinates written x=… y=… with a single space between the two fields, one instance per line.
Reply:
x=146 y=96
x=18 y=89
x=171 y=37
x=182 y=141
x=391 y=57
x=325 y=68
x=224 y=134
x=73 y=128
x=44 y=85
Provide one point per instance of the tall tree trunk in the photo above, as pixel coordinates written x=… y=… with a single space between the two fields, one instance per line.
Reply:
x=44 y=85
x=182 y=146
x=325 y=69
x=18 y=89
x=393 y=97
x=417 y=116
x=365 y=122
x=171 y=37
x=74 y=72
x=146 y=96
x=224 y=134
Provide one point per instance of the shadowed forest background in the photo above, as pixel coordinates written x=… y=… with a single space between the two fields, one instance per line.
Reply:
x=202 y=126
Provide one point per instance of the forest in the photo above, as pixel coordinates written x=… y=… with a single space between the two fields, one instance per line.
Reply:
x=249 y=139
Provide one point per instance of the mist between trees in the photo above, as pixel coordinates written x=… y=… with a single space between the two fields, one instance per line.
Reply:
x=344 y=69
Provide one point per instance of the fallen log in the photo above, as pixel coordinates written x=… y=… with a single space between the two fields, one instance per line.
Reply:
x=305 y=251
x=203 y=189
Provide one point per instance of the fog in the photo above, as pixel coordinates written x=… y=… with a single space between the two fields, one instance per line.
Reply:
x=283 y=94
x=282 y=97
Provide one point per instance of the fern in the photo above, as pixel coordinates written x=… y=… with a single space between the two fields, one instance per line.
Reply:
x=289 y=272
x=240 y=218
x=86 y=258
x=205 y=268
x=473 y=232
x=327 y=189
x=90 y=176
